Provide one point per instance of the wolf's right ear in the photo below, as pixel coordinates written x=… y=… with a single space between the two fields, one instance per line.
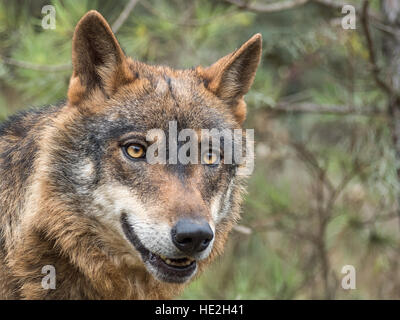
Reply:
x=98 y=61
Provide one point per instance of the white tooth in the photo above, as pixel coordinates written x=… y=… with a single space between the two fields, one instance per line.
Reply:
x=168 y=261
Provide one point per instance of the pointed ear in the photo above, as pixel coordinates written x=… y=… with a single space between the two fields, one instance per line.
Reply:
x=97 y=59
x=231 y=77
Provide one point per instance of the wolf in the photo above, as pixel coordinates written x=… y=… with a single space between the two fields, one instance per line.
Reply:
x=76 y=191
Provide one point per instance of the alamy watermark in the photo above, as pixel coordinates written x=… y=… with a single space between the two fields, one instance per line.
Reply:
x=49 y=280
x=49 y=20
x=349 y=20
x=188 y=146
x=349 y=280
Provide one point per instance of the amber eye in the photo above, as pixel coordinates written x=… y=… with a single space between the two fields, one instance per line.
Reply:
x=135 y=151
x=210 y=157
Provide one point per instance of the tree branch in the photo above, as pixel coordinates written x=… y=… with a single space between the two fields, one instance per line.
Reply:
x=371 y=50
x=34 y=66
x=124 y=15
x=271 y=7
x=243 y=229
x=289 y=4
x=309 y=107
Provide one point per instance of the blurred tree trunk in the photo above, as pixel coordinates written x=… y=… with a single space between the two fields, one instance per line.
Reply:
x=391 y=13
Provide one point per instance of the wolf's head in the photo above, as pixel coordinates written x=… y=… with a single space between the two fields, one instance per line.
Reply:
x=171 y=217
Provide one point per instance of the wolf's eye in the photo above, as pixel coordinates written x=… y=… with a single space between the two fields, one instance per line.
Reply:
x=135 y=151
x=210 y=158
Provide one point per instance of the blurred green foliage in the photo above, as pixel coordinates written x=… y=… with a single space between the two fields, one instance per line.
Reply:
x=324 y=189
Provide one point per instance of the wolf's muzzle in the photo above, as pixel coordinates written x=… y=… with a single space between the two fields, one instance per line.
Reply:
x=191 y=236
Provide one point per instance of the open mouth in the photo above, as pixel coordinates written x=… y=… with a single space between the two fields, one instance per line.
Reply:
x=164 y=268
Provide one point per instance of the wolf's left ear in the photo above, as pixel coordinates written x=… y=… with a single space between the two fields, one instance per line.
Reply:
x=231 y=77
x=98 y=61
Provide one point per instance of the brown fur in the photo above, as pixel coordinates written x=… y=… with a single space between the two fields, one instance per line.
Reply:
x=39 y=226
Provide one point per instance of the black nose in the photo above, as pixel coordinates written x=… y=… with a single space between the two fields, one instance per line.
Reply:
x=191 y=236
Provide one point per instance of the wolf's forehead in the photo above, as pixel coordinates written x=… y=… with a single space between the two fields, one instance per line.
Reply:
x=171 y=99
x=167 y=84
x=180 y=87
x=181 y=90
x=143 y=119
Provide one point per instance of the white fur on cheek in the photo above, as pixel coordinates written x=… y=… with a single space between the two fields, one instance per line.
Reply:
x=215 y=206
x=221 y=210
x=154 y=233
x=227 y=201
x=110 y=201
x=87 y=169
